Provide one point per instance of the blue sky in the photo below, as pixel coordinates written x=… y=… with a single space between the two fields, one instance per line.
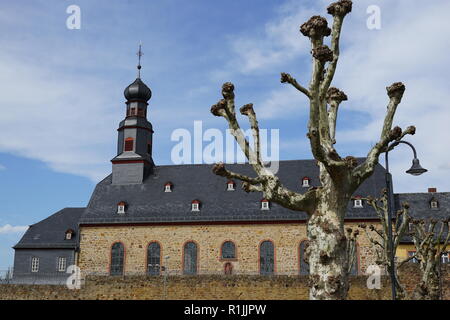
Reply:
x=62 y=90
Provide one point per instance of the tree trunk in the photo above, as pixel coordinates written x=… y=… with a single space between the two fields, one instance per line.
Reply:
x=328 y=261
x=429 y=286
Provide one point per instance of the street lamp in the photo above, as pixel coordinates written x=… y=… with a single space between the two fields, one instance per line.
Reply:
x=166 y=273
x=415 y=170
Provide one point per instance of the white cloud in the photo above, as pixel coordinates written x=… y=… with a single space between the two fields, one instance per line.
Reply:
x=408 y=48
x=52 y=122
x=280 y=42
x=7 y=228
x=411 y=47
x=282 y=103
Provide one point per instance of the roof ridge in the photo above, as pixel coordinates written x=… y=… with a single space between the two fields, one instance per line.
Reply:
x=230 y=163
x=56 y=213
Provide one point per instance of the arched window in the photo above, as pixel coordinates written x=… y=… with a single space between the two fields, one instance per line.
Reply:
x=153 y=259
x=228 y=250
x=129 y=142
x=266 y=258
x=190 y=258
x=304 y=265
x=355 y=266
x=117 y=258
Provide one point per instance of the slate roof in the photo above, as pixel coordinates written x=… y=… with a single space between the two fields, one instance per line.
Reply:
x=419 y=204
x=50 y=232
x=419 y=207
x=148 y=203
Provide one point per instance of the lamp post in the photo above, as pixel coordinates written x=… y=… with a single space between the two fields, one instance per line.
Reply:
x=415 y=170
x=166 y=273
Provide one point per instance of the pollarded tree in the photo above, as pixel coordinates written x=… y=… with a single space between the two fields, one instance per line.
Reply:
x=379 y=238
x=430 y=240
x=339 y=177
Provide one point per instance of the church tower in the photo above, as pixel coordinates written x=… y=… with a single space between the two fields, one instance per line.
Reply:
x=134 y=162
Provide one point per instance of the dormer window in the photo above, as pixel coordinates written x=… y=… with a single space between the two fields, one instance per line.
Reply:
x=306 y=182
x=230 y=185
x=434 y=204
x=265 y=204
x=69 y=234
x=357 y=203
x=168 y=187
x=121 y=207
x=195 y=205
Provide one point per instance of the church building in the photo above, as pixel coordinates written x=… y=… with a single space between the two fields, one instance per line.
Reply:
x=146 y=218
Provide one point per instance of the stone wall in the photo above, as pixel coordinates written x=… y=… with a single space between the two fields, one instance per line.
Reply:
x=205 y=287
x=96 y=242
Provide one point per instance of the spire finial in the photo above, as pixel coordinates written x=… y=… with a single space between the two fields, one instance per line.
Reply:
x=139 y=54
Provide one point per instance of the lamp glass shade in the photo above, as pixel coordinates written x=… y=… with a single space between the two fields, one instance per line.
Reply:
x=416 y=169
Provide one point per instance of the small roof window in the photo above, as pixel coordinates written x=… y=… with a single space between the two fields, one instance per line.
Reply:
x=306 y=182
x=195 y=205
x=357 y=202
x=434 y=204
x=69 y=234
x=230 y=185
x=265 y=204
x=168 y=187
x=121 y=206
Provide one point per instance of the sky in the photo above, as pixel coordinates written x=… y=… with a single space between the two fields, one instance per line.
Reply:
x=62 y=89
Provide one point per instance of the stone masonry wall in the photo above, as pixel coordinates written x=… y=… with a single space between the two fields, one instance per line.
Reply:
x=96 y=242
x=205 y=287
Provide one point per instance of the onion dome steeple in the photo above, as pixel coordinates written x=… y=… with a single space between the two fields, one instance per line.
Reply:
x=134 y=162
x=138 y=90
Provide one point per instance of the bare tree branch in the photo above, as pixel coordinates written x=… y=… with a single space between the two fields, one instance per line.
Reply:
x=430 y=246
x=287 y=78
x=383 y=247
x=334 y=99
x=250 y=113
x=338 y=10
x=395 y=93
x=266 y=181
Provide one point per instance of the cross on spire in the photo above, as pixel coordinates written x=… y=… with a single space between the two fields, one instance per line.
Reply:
x=139 y=54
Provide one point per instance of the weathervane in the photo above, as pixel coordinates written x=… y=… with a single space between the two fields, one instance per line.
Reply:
x=139 y=54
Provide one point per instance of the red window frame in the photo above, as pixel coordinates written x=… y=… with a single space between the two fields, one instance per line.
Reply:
x=129 y=144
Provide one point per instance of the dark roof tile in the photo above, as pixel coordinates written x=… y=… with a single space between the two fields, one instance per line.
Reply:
x=50 y=232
